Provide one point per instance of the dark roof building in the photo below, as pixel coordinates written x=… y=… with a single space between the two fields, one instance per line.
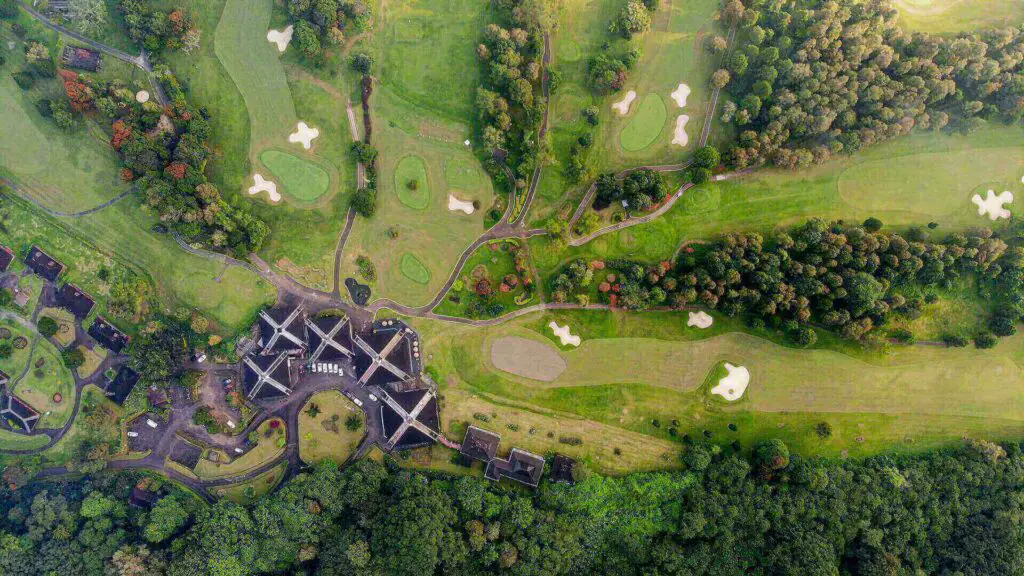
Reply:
x=280 y=332
x=142 y=498
x=563 y=469
x=479 y=444
x=266 y=377
x=108 y=336
x=121 y=386
x=14 y=410
x=70 y=298
x=329 y=338
x=185 y=453
x=390 y=353
x=6 y=257
x=409 y=419
x=41 y=264
x=522 y=466
x=81 y=58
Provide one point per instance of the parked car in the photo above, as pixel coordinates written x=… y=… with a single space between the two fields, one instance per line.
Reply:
x=372 y=397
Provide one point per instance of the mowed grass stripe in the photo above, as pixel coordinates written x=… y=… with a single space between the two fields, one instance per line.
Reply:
x=255 y=67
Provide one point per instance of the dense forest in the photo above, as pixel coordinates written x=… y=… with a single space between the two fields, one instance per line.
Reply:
x=807 y=80
x=955 y=512
x=847 y=278
x=323 y=24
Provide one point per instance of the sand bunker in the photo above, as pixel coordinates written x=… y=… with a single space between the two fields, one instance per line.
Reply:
x=680 y=137
x=622 y=106
x=454 y=204
x=734 y=385
x=527 y=358
x=993 y=205
x=564 y=334
x=304 y=135
x=681 y=94
x=262 y=185
x=282 y=39
x=142 y=96
x=700 y=319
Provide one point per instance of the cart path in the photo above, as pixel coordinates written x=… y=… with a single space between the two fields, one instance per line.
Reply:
x=57 y=213
x=546 y=88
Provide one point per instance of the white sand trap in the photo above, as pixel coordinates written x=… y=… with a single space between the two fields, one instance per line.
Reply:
x=700 y=319
x=527 y=358
x=267 y=186
x=622 y=106
x=282 y=39
x=993 y=205
x=564 y=334
x=680 y=138
x=142 y=96
x=734 y=385
x=454 y=204
x=304 y=135
x=680 y=95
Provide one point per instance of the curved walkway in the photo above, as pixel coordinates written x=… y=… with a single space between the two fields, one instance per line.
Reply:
x=546 y=89
x=141 y=61
x=58 y=213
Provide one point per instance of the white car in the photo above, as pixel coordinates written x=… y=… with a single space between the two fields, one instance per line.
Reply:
x=358 y=402
x=201 y=358
x=372 y=397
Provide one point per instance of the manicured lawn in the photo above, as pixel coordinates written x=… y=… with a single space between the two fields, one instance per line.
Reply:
x=248 y=492
x=325 y=435
x=426 y=52
x=299 y=179
x=266 y=450
x=411 y=182
x=435 y=235
x=93 y=359
x=633 y=369
x=97 y=423
x=65 y=324
x=14 y=441
x=414 y=270
x=951 y=16
x=647 y=123
x=254 y=65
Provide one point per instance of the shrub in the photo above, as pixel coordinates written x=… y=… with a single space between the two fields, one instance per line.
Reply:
x=482 y=417
x=570 y=440
x=73 y=357
x=362 y=63
x=707 y=157
x=823 y=430
x=902 y=335
x=954 y=340
x=365 y=202
x=366 y=268
x=6 y=349
x=697 y=458
x=873 y=224
x=592 y=115
x=353 y=422
x=984 y=341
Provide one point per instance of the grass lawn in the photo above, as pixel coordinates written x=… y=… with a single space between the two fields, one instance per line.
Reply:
x=326 y=436
x=411 y=182
x=905 y=398
x=265 y=450
x=910 y=181
x=436 y=236
x=300 y=179
x=414 y=270
x=14 y=441
x=646 y=124
x=951 y=16
x=93 y=359
x=37 y=385
x=97 y=422
x=426 y=52
x=246 y=493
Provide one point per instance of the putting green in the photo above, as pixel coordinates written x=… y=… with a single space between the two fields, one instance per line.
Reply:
x=646 y=124
x=299 y=179
x=412 y=169
x=568 y=50
x=414 y=270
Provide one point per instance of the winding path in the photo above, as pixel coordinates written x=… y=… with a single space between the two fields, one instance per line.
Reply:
x=58 y=213
x=546 y=89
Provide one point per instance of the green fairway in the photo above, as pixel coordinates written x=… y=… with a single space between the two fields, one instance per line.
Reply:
x=646 y=125
x=911 y=181
x=427 y=53
x=436 y=235
x=951 y=16
x=414 y=270
x=254 y=65
x=411 y=182
x=634 y=368
x=299 y=179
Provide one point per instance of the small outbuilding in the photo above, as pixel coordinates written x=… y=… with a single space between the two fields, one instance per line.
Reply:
x=81 y=58
x=522 y=466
